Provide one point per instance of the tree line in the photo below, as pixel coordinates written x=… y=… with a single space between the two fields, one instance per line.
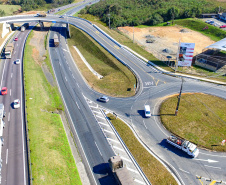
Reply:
x=148 y=12
x=27 y=5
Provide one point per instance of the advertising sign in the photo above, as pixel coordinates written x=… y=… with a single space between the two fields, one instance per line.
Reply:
x=186 y=54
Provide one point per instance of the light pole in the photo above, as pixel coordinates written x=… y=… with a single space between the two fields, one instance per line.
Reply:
x=109 y=21
x=178 y=103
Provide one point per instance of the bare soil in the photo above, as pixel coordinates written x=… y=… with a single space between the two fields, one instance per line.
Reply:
x=166 y=38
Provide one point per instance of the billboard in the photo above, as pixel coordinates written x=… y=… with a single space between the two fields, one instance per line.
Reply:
x=186 y=54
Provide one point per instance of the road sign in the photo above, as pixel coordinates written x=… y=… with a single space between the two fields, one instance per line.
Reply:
x=53 y=21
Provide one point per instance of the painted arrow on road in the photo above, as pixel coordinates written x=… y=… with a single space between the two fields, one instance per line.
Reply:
x=208 y=160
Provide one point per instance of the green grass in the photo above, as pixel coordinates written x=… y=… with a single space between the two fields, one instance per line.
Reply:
x=51 y=157
x=153 y=169
x=201 y=119
x=9 y=9
x=118 y=79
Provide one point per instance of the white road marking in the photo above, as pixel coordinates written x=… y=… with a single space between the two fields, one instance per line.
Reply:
x=77 y=105
x=11 y=75
x=109 y=131
x=98 y=148
x=65 y=78
x=183 y=170
x=6 y=156
x=132 y=170
x=77 y=85
x=73 y=76
x=17 y=44
x=125 y=159
x=3 y=73
x=212 y=167
x=69 y=68
x=213 y=155
x=140 y=182
x=208 y=160
x=113 y=140
x=10 y=92
x=104 y=124
x=60 y=64
x=9 y=117
x=14 y=52
x=65 y=50
x=100 y=117
x=94 y=107
x=118 y=148
x=97 y=112
x=145 y=125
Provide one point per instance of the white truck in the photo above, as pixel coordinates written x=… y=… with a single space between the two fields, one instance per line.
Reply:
x=2 y=111
x=24 y=26
x=188 y=147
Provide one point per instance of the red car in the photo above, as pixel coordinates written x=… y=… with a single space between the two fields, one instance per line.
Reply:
x=4 y=91
x=16 y=39
x=223 y=26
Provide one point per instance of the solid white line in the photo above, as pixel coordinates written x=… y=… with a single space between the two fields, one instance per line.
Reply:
x=183 y=170
x=100 y=117
x=109 y=131
x=77 y=105
x=118 y=148
x=212 y=167
x=125 y=159
x=132 y=170
x=98 y=148
x=6 y=161
x=9 y=117
x=113 y=140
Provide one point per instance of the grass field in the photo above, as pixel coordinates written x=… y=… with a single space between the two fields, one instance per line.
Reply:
x=9 y=9
x=201 y=119
x=118 y=80
x=51 y=157
x=153 y=169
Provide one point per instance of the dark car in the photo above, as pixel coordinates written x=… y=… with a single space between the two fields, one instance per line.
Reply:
x=104 y=99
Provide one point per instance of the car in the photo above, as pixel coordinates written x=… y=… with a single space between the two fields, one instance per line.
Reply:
x=207 y=21
x=211 y=22
x=61 y=17
x=223 y=26
x=4 y=91
x=147 y=111
x=104 y=99
x=17 y=61
x=16 y=39
x=16 y=104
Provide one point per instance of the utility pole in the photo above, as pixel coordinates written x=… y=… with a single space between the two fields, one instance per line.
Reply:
x=178 y=51
x=109 y=21
x=133 y=34
x=178 y=103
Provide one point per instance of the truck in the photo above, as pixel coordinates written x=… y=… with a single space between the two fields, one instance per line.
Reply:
x=24 y=26
x=9 y=50
x=41 y=14
x=2 y=111
x=56 y=40
x=121 y=174
x=188 y=147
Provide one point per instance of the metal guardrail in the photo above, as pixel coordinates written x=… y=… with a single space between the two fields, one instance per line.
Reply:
x=127 y=150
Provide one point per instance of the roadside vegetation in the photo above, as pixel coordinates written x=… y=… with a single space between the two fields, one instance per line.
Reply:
x=201 y=119
x=6 y=10
x=51 y=157
x=117 y=79
x=153 y=169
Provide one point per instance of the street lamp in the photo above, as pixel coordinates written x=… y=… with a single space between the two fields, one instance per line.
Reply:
x=109 y=21
x=178 y=103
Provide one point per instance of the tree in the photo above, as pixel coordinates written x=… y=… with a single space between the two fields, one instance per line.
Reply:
x=173 y=13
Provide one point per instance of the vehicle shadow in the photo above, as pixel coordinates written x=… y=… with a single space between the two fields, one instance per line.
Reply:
x=106 y=174
x=173 y=149
x=141 y=112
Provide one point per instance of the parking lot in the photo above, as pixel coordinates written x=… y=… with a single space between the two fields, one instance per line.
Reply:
x=217 y=22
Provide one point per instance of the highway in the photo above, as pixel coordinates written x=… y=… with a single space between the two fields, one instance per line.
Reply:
x=153 y=86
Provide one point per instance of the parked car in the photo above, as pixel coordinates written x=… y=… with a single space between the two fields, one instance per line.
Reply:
x=207 y=21
x=147 y=111
x=104 y=99
x=223 y=26
x=211 y=22
x=16 y=39
x=4 y=91
x=17 y=61
x=16 y=104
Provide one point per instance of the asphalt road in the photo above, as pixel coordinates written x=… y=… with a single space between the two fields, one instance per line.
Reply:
x=14 y=152
x=153 y=85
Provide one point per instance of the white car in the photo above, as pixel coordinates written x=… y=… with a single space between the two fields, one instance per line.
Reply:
x=17 y=61
x=147 y=111
x=16 y=104
x=207 y=21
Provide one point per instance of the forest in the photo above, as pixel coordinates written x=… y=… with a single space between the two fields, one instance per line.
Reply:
x=28 y=5
x=148 y=12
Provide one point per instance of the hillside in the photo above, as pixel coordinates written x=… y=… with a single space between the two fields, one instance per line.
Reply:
x=150 y=12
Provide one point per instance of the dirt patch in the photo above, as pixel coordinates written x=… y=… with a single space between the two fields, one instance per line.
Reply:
x=164 y=40
x=31 y=12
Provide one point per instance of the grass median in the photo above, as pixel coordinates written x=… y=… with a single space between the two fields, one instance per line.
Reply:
x=201 y=119
x=117 y=79
x=153 y=169
x=51 y=157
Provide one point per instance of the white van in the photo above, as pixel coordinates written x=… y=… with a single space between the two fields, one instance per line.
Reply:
x=147 y=111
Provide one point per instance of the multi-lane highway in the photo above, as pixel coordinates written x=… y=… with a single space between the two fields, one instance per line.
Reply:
x=153 y=86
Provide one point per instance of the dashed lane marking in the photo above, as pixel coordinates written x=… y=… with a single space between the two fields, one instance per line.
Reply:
x=132 y=170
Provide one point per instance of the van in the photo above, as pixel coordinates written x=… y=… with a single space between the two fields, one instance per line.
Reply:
x=147 y=111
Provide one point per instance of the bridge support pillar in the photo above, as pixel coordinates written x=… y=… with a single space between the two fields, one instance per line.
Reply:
x=41 y=24
x=6 y=28
x=68 y=31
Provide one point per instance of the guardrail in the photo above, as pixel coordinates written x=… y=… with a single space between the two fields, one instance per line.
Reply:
x=127 y=150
